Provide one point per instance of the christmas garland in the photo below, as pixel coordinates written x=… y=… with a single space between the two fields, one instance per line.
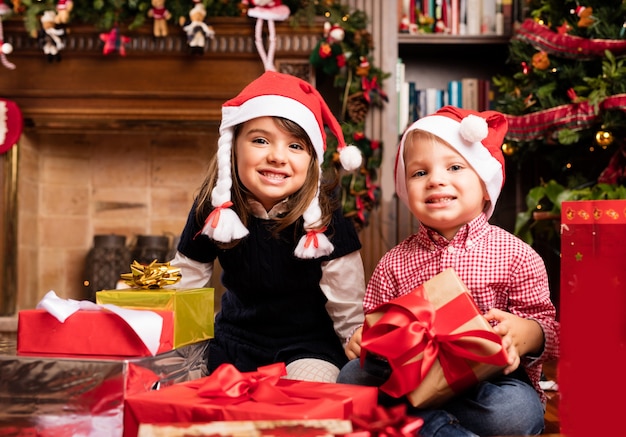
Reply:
x=347 y=60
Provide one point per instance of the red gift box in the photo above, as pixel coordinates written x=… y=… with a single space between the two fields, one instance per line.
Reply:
x=86 y=333
x=436 y=341
x=593 y=282
x=263 y=395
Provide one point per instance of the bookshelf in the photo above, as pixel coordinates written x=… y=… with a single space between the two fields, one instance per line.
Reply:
x=432 y=60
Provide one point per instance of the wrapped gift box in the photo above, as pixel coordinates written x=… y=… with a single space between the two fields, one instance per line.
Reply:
x=93 y=333
x=297 y=400
x=248 y=428
x=439 y=317
x=193 y=308
x=62 y=396
x=593 y=279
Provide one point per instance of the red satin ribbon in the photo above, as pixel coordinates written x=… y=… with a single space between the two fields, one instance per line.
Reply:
x=214 y=216
x=371 y=85
x=412 y=335
x=260 y=386
x=311 y=238
x=391 y=422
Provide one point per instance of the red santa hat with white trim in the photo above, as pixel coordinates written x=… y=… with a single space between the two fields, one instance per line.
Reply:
x=477 y=136
x=277 y=95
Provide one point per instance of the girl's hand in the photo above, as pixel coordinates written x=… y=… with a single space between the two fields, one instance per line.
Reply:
x=519 y=336
x=353 y=348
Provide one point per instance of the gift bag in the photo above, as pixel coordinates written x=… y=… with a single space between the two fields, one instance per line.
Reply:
x=593 y=318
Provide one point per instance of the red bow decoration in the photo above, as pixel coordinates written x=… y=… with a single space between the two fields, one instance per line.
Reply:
x=412 y=335
x=227 y=381
x=214 y=217
x=371 y=86
x=311 y=237
x=392 y=422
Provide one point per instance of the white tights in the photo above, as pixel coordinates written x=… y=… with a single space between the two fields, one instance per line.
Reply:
x=312 y=369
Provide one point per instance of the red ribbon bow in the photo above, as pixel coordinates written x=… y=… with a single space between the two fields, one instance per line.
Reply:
x=392 y=422
x=260 y=386
x=214 y=216
x=311 y=237
x=371 y=86
x=411 y=335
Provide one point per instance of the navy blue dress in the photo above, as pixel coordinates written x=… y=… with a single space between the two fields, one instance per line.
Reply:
x=273 y=309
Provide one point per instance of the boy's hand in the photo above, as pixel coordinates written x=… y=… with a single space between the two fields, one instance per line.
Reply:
x=353 y=348
x=519 y=336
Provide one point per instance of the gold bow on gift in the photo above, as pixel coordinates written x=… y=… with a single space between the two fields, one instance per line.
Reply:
x=153 y=275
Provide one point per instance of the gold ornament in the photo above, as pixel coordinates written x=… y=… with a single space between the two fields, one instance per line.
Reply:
x=509 y=149
x=604 y=138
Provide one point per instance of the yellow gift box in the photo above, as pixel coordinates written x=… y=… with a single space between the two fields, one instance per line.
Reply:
x=193 y=308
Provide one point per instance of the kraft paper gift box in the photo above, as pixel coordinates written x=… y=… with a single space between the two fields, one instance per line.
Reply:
x=435 y=340
x=52 y=396
x=248 y=428
x=193 y=308
x=91 y=333
x=592 y=312
x=227 y=395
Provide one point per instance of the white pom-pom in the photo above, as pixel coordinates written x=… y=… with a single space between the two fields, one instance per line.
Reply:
x=320 y=247
x=7 y=48
x=474 y=128
x=350 y=157
x=228 y=228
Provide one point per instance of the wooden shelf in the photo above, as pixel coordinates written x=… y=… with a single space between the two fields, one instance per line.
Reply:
x=443 y=39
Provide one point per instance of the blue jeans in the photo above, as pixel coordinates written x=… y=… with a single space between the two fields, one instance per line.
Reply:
x=504 y=405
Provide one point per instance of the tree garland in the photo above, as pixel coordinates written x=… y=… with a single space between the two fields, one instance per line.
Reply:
x=348 y=62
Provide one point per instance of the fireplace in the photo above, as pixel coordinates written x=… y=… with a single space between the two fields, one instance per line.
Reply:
x=114 y=145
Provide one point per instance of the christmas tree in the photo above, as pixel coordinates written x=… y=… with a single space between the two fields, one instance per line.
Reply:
x=565 y=100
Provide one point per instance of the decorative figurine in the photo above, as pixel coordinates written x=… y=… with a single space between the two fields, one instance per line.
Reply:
x=51 y=38
x=197 y=30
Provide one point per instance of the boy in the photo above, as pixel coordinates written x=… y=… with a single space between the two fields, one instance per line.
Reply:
x=449 y=172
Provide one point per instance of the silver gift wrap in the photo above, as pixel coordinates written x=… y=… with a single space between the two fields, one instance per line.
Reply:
x=62 y=396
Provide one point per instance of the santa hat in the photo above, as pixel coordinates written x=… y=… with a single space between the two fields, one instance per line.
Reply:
x=276 y=95
x=477 y=136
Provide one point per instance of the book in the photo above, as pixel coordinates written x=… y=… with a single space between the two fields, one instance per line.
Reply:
x=473 y=17
x=402 y=88
x=455 y=97
x=507 y=17
x=488 y=17
x=469 y=87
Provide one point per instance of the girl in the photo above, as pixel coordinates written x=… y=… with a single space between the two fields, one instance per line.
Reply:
x=291 y=264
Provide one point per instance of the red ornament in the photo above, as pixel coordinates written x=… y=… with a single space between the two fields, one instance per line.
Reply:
x=114 y=42
x=11 y=124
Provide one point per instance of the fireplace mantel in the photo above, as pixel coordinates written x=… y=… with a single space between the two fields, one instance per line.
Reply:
x=157 y=84
x=76 y=152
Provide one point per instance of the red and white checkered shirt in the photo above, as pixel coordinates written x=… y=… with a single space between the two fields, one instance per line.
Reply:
x=500 y=270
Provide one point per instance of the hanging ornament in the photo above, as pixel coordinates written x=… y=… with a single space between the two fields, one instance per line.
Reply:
x=540 y=60
x=64 y=7
x=585 y=19
x=51 y=37
x=564 y=28
x=197 y=30
x=604 y=138
x=114 y=42
x=328 y=54
x=11 y=124
x=5 y=47
x=509 y=149
x=270 y=12
x=525 y=68
x=159 y=14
